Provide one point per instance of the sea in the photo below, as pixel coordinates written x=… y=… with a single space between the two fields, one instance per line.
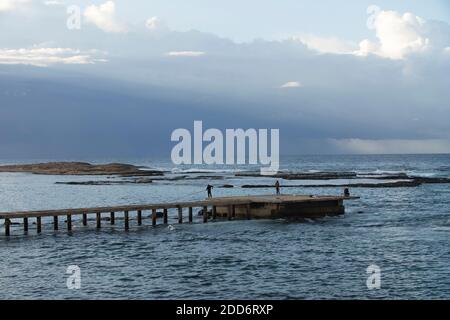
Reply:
x=392 y=243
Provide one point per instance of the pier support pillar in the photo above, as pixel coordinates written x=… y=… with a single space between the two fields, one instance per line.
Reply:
x=7 y=227
x=190 y=215
x=139 y=217
x=99 y=220
x=180 y=215
x=247 y=211
x=127 y=224
x=113 y=218
x=55 y=222
x=205 y=214
x=165 y=216
x=25 y=225
x=39 y=224
x=84 y=219
x=69 y=222
x=214 y=212
x=230 y=212
x=233 y=211
x=153 y=217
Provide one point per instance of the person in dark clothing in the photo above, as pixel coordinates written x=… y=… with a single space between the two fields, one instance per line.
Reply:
x=346 y=192
x=209 y=190
x=277 y=187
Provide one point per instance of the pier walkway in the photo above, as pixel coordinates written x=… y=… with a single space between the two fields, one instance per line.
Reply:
x=231 y=208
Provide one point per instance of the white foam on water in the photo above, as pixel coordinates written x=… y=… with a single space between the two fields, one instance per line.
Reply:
x=385 y=173
x=194 y=170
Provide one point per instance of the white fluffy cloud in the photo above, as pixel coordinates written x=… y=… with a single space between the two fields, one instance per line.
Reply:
x=186 y=53
x=394 y=146
x=292 y=84
x=43 y=57
x=397 y=36
x=152 y=23
x=9 y=5
x=401 y=34
x=104 y=17
x=155 y=24
x=53 y=3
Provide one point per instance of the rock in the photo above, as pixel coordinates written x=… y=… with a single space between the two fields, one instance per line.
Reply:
x=431 y=180
x=303 y=176
x=158 y=214
x=205 y=177
x=395 y=184
x=81 y=168
x=106 y=183
x=176 y=178
x=200 y=213
x=143 y=180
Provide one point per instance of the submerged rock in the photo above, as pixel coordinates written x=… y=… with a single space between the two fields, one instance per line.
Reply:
x=159 y=214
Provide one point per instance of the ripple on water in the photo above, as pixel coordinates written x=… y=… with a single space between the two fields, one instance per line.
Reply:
x=403 y=230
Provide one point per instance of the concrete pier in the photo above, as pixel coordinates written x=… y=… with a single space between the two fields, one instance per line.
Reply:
x=230 y=208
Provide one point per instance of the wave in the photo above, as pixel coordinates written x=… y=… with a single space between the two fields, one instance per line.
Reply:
x=422 y=174
x=195 y=170
x=381 y=172
x=386 y=173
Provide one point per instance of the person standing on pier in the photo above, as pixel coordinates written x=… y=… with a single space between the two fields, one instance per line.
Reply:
x=346 y=192
x=277 y=187
x=209 y=190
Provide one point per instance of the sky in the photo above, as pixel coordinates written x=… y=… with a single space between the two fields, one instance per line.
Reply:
x=115 y=78
x=269 y=19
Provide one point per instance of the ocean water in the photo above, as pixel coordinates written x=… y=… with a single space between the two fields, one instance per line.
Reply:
x=403 y=231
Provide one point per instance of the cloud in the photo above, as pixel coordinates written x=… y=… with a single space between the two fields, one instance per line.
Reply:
x=53 y=3
x=155 y=24
x=292 y=84
x=327 y=44
x=371 y=98
x=104 y=17
x=186 y=53
x=394 y=146
x=399 y=35
x=43 y=57
x=9 y=5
